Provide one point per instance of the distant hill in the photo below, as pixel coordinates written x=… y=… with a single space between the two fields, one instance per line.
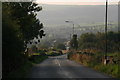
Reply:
x=55 y=15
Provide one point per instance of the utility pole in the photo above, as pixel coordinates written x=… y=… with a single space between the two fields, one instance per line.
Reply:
x=106 y=25
x=106 y=21
x=70 y=36
x=73 y=28
x=74 y=43
x=72 y=24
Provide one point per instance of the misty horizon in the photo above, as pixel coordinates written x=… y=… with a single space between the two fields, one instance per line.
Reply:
x=56 y=15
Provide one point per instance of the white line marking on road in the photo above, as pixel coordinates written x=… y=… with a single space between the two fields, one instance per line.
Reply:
x=55 y=61
x=58 y=62
x=61 y=69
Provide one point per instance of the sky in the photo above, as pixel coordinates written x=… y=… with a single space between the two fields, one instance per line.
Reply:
x=76 y=2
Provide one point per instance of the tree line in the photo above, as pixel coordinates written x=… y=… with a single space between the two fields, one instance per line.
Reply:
x=19 y=27
x=98 y=41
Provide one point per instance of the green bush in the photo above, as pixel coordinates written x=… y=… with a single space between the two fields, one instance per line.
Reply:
x=54 y=53
x=110 y=69
x=69 y=54
x=37 y=58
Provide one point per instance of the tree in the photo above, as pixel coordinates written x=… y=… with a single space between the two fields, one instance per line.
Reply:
x=74 y=42
x=12 y=42
x=98 y=40
x=20 y=25
x=87 y=40
x=25 y=13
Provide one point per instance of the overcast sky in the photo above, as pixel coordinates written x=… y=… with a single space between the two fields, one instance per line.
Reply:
x=76 y=2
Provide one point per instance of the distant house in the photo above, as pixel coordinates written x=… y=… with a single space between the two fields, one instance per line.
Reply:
x=68 y=43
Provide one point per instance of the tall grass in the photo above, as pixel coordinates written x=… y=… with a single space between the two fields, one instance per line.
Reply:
x=110 y=69
x=95 y=62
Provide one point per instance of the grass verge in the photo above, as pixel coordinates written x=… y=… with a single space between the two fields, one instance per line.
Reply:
x=110 y=69
x=95 y=63
x=22 y=71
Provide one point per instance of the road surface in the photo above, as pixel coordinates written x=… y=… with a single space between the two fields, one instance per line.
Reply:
x=61 y=67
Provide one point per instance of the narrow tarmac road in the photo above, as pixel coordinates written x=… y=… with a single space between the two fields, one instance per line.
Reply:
x=61 y=67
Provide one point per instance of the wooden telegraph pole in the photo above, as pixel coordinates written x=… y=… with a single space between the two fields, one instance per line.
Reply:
x=106 y=21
